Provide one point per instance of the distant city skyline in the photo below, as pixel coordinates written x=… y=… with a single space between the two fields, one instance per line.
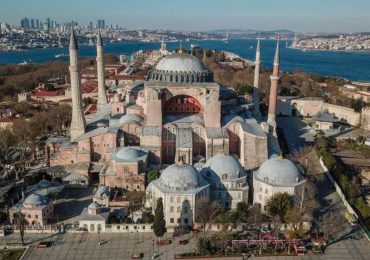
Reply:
x=204 y=15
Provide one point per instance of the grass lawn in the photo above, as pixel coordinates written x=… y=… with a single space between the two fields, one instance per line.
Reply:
x=12 y=254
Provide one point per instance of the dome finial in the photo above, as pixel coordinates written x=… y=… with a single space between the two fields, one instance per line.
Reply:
x=181 y=161
x=181 y=49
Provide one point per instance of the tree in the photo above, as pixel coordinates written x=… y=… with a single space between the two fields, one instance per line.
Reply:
x=135 y=199
x=153 y=175
x=206 y=212
x=21 y=223
x=294 y=218
x=7 y=140
x=242 y=212
x=159 y=224
x=255 y=215
x=279 y=204
x=21 y=107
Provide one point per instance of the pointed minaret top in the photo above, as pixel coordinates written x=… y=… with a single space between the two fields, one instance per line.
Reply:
x=99 y=40
x=73 y=41
x=277 y=52
x=181 y=49
x=258 y=50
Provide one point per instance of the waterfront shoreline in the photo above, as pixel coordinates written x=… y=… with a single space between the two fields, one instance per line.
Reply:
x=354 y=66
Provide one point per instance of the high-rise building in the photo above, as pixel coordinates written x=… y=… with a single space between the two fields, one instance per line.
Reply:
x=101 y=24
x=47 y=24
x=37 y=24
x=25 y=23
x=32 y=23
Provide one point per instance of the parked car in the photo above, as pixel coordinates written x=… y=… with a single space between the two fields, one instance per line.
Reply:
x=45 y=244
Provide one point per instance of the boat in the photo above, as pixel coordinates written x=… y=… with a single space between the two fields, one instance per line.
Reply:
x=91 y=43
x=60 y=55
x=25 y=63
x=251 y=47
x=194 y=46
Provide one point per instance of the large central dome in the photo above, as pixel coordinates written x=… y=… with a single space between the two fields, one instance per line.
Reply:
x=180 y=62
x=180 y=68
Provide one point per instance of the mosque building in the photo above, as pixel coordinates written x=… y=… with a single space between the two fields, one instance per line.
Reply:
x=179 y=116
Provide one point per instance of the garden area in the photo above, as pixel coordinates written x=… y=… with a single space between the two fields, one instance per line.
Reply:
x=11 y=254
x=347 y=176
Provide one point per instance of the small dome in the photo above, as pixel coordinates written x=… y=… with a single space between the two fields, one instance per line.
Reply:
x=279 y=171
x=224 y=167
x=44 y=184
x=36 y=200
x=94 y=206
x=180 y=177
x=129 y=154
x=180 y=62
x=130 y=119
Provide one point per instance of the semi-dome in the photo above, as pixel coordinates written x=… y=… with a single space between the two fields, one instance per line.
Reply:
x=179 y=62
x=129 y=154
x=130 y=119
x=181 y=68
x=36 y=200
x=223 y=167
x=279 y=171
x=180 y=177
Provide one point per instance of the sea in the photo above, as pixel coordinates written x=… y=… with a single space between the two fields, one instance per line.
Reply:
x=352 y=65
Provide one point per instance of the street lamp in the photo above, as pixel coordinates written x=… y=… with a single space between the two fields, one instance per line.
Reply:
x=99 y=242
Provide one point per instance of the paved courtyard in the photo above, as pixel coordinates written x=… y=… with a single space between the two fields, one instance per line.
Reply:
x=122 y=246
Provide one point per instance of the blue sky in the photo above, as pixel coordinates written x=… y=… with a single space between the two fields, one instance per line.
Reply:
x=298 y=15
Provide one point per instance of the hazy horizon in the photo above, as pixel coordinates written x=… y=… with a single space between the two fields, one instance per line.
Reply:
x=329 y=16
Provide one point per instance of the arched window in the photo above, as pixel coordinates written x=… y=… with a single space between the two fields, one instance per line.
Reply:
x=92 y=227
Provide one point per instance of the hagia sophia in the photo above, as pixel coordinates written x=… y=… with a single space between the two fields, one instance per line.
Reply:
x=203 y=138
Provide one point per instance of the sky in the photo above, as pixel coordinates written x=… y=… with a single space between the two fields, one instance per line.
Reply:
x=200 y=15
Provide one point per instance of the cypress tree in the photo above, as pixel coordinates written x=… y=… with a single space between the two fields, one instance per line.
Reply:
x=159 y=224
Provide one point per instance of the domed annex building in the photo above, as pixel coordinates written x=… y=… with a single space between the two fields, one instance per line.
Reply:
x=277 y=175
x=36 y=209
x=179 y=116
x=181 y=187
x=228 y=180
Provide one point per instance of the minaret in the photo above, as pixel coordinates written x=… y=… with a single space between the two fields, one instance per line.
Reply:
x=257 y=64
x=181 y=50
x=204 y=55
x=102 y=96
x=274 y=88
x=78 y=122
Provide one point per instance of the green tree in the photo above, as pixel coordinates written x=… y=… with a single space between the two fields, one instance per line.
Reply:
x=357 y=104
x=279 y=204
x=21 y=107
x=242 y=212
x=159 y=224
x=153 y=175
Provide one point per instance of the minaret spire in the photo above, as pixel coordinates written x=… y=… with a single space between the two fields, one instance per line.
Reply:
x=181 y=49
x=257 y=63
x=274 y=87
x=102 y=96
x=78 y=122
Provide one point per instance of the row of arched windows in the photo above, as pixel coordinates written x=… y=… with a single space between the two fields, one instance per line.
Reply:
x=182 y=78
